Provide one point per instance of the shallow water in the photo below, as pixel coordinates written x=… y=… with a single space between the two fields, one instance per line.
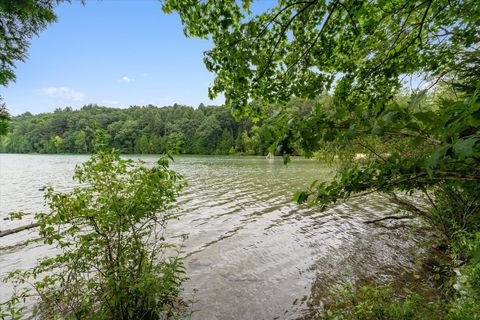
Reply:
x=251 y=253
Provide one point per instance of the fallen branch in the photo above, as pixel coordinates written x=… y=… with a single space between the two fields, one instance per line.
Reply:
x=390 y=218
x=411 y=207
x=18 y=229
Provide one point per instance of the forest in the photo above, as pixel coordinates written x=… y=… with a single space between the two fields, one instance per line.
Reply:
x=148 y=129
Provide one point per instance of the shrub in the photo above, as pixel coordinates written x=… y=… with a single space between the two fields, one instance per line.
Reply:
x=109 y=231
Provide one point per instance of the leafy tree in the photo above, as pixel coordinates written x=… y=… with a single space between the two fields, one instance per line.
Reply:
x=20 y=21
x=226 y=142
x=246 y=143
x=207 y=135
x=137 y=129
x=298 y=48
x=142 y=145
x=58 y=144
x=109 y=231
x=80 y=142
x=255 y=142
x=126 y=136
x=175 y=142
x=158 y=144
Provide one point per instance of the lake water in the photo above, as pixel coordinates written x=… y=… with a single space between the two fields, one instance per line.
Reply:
x=251 y=253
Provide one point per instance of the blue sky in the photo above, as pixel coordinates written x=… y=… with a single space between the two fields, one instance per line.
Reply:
x=112 y=53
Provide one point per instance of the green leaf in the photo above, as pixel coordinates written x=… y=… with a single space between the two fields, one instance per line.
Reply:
x=390 y=116
x=427 y=117
x=417 y=99
x=436 y=156
x=464 y=148
x=300 y=197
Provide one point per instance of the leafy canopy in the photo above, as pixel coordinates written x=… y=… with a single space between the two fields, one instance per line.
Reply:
x=360 y=49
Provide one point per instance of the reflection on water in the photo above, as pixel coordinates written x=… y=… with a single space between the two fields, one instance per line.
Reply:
x=251 y=252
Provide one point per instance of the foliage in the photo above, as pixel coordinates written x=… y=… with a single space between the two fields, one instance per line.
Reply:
x=468 y=284
x=352 y=58
x=302 y=48
x=295 y=49
x=175 y=142
x=109 y=232
x=380 y=302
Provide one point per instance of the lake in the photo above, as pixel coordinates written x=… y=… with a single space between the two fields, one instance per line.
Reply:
x=250 y=253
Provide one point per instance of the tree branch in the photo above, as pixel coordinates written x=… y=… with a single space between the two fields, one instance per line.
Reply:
x=350 y=16
x=278 y=13
x=419 y=36
x=371 y=150
x=18 y=229
x=389 y=218
x=316 y=38
x=282 y=32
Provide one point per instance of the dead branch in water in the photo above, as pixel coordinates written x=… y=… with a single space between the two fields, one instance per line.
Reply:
x=390 y=218
x=18 y=229
x=405 y=205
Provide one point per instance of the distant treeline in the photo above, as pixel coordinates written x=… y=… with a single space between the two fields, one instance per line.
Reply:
x=141 y=130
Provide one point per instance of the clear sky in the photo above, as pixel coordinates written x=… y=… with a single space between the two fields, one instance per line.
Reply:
x=112 y=53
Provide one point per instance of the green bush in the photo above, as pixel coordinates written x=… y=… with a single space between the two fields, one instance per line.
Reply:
x=109 y=231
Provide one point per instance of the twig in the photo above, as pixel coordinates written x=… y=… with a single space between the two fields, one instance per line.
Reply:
x=281 y=34
x=419 y=36
x=409 y=206
x=334 y=5
x=350 y=16
x=366 y=146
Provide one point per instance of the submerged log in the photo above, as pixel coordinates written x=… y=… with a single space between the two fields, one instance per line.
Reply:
x=18 y=229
